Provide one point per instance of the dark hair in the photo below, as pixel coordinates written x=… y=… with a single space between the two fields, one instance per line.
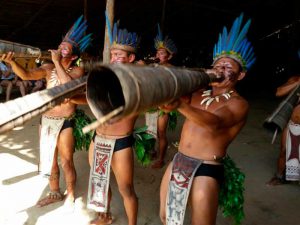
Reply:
x=75 y=51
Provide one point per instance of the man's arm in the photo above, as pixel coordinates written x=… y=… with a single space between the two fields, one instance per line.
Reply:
x=63 y=76
x=232 y=113
x=288 y=86
x=79 y=99
x=34 y=74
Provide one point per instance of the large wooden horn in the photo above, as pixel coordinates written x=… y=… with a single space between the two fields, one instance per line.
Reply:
x=20 y=50
x=281 y=115
x=16 y=112
x=138 y=88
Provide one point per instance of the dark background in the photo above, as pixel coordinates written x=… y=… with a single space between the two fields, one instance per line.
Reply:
x=193 y=25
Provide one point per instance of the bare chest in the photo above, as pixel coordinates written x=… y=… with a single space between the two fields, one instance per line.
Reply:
x=53 y=78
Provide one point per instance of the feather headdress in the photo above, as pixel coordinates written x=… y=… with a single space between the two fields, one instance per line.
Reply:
x=121 y=38
x=75 y=36
x=235 y=45
x=166 y=43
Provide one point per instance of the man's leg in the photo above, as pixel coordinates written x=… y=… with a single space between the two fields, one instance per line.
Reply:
x=38 y=85
x=54 y=195
x=122 y=166
x=279 y=177
x=65 y=144
x=204 y=200
x=21 y=86
x=8 y=84
x=162 y=140
x=163 y=193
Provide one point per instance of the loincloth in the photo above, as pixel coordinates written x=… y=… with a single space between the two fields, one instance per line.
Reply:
x=181 y=179
x=50 y=129
x=292 y=152
x=151 y=122
x=100 y=171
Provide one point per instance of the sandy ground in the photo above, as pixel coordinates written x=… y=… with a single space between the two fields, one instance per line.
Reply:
x=21 y=186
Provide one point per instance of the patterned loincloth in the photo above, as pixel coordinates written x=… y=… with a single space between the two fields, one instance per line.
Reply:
x=292 y=152
x=151 y=122
x=100 y=174
x=50 y=129
x=182 y=175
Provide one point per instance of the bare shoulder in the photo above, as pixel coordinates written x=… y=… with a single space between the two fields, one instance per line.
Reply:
x=47 y=66
x=77 y=72
x=238 y=105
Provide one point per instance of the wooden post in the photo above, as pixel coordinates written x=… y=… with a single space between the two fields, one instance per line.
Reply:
x=110 y=11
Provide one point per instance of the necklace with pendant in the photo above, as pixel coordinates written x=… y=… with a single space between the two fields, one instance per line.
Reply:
x=209 y=99
x=54 y=77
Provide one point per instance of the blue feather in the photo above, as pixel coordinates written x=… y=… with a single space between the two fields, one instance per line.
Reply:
x=250 y=51
x=224 y=36
x=215 y=51
x=118 y=40
x=242 y=33
x=115 y=32
x=250 y=63
x=235 y=41
x=125 y=35
x=109 y=31
x=76 y=34
x=159 y=33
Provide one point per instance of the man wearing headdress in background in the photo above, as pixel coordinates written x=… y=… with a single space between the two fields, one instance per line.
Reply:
x=288 y=163
x=56 y=136
x=213 y=119
x=158 y=121
x=112 y=145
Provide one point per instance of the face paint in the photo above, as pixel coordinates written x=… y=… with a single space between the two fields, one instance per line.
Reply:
x=227 y=68
x=65 y=49
x=119 y=56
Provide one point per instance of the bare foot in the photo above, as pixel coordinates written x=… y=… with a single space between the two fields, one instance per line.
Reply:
x=158 y=164
x=52 y=197
x=69 y=203
x=102 y=219
x=277 y=181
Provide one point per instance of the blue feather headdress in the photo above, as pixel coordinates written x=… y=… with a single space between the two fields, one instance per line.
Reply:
x=121 y=38
x=166 y=43
x=235 y=45
x=75 y=36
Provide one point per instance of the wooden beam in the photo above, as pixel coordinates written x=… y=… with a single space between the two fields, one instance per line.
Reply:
x=110 y=4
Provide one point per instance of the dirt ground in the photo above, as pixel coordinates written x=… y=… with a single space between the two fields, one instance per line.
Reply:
x=21 y=186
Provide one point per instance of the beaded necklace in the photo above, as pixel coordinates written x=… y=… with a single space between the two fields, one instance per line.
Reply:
x=209 y=99
x=54 y=78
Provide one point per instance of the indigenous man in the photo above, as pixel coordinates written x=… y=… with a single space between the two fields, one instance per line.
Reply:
x=119 y=155
x=288 y=167
x=157 y=121
x=213 y=119
x=56 y=135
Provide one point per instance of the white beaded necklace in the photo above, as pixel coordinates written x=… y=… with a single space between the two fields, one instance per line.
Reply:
x=209 y=99
x=54 y=78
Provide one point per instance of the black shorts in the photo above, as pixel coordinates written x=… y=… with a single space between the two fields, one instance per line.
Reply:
x=67 y=124
x=121 y=143
x=211 y=170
